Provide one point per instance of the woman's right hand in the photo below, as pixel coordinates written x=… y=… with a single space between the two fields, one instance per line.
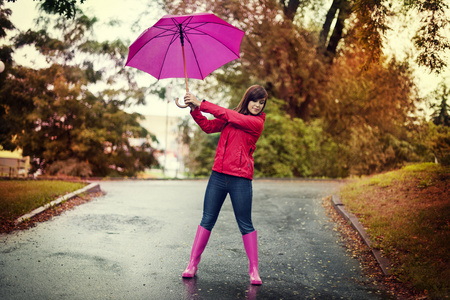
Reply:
x=191 y=100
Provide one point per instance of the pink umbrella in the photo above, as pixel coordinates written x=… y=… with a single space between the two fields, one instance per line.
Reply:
x=210 y=43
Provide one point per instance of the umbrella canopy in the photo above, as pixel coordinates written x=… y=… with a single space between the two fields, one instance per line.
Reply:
x=185 y=46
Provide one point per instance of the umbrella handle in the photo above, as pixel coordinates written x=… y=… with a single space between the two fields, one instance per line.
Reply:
x=179 y=105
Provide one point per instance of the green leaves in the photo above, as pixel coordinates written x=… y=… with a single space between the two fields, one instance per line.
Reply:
x=438 y=140
x=61 y=7
x=441 y=114
x=41 y=40
x=5 y=23
x=53 y=116
x=430 y=38
x=284 y=148
x=289 y=147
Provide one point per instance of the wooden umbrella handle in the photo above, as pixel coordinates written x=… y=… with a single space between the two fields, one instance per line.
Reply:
x=180 y=105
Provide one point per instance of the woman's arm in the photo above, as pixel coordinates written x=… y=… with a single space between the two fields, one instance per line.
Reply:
x=208 y=126
x=249 y=123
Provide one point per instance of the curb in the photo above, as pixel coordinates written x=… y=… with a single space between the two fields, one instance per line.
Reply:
x=91 y=188
x=383 y=261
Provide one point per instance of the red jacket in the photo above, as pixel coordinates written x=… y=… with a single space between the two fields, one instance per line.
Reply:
x=239 y=133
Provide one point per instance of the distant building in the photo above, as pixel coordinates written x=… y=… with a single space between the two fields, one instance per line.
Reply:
x=167 y=133
x=12 y=164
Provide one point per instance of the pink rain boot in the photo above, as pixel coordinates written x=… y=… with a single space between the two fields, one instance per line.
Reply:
x=201 y=239
x=251 y=247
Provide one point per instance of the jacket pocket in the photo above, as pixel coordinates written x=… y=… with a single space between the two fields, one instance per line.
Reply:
x=244 y=165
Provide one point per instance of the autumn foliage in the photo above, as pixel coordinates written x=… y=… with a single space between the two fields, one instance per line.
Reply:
x=338 y=106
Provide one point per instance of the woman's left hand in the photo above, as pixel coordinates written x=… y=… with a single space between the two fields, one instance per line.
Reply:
x=191 y=100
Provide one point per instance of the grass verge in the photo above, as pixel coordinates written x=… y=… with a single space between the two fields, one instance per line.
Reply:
x=407 y=215
x=18 y=197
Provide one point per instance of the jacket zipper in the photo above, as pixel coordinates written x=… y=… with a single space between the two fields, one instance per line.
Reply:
x=225 y=150
x=240 y=160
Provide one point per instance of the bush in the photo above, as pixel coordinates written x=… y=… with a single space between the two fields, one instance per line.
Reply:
x=439 y=142
x=290 y=147
x=70 y=167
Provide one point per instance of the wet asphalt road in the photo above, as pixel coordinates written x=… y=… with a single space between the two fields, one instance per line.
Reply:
x=134 y=243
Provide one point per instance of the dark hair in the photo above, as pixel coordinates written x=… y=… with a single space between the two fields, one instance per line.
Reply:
x=253 y=93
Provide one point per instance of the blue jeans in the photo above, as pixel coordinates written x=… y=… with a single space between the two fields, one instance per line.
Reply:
x=241 y=194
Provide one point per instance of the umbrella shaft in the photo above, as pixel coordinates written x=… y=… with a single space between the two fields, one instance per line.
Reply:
x=185 y=72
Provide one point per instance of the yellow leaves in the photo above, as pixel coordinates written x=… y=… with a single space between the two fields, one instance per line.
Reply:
x=407 y=222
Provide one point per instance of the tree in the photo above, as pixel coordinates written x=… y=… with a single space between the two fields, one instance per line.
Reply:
x=53 y=116
x=438 y=140
x=438 y=137
x=371 y=19
x=334 y=84
x=430 y=39
x=441 y=116
x=6 y=58
x=5 y=23
x=201 y=153
x=371 y=112
x=289 y=147
x=61 y=7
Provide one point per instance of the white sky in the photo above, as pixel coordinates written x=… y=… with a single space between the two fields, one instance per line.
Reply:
x=24 y=13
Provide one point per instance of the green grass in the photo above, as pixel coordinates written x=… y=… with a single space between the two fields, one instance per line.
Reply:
x=407 y=213
x=18 y=197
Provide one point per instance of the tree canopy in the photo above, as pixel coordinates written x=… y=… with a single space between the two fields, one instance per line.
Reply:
x=338 y=106
x=52 y=114
x=67 y=8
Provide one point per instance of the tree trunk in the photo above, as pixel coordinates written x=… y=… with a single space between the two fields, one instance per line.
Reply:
x=342 y=9
x=344 y=12
x=290 y=9
x=327 y=24
x=305 y=108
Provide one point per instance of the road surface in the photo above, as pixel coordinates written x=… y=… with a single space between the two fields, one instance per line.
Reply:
x=134 y=243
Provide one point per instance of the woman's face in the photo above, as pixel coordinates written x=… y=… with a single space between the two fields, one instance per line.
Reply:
x=255 y=107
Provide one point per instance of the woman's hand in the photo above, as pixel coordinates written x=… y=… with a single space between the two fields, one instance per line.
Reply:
x=191 y=100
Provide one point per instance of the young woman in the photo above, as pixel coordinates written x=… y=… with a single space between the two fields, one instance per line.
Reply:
x=232 y=172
